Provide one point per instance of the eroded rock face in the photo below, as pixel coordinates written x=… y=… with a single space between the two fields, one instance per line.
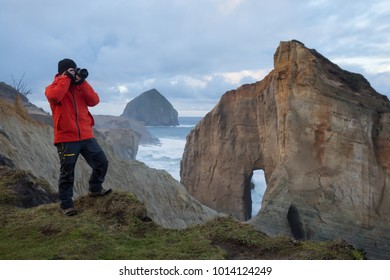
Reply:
x=104 y=123
x=322 y=137
x=123 y=141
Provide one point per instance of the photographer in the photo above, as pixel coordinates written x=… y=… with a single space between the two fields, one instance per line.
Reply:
x=69 y=96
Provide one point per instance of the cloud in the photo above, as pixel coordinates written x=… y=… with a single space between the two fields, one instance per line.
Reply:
x=123 y=89
x=227 y=6
x=235 y=78
x=371 y=65
x=194 y=82
x=192 y=51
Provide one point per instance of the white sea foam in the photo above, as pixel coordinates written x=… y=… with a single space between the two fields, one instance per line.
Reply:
x=186 y=125
x=165 y=156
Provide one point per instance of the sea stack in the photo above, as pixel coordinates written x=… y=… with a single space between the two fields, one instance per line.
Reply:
x=322 y=136
x=152 y=108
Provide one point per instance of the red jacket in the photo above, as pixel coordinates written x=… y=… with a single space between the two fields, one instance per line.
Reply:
x=69 y=106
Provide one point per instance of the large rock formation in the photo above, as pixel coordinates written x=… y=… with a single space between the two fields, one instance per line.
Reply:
x=322 y=137
x=152 y=108
x=27 y=146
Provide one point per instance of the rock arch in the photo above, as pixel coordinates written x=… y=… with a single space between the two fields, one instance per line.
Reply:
x=321 y=135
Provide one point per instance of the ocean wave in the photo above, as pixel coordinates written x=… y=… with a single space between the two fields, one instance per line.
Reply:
x=187 y=125
x=166 y=156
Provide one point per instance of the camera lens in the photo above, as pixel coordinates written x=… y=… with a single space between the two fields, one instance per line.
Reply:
x=83 y=73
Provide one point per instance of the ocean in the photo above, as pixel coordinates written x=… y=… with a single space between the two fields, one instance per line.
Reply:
x=168 y=154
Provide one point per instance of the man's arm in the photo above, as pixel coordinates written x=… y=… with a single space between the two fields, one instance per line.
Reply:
x=91 y=97
x=57 y=90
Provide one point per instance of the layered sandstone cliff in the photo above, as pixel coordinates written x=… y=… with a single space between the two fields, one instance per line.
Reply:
x=322 y=137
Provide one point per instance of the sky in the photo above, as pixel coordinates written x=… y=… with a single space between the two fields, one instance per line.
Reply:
x=191 y=51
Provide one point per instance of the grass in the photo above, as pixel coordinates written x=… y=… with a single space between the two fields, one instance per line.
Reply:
x=117 y=227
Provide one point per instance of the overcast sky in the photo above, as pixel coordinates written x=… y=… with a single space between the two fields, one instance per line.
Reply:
x=192 y=51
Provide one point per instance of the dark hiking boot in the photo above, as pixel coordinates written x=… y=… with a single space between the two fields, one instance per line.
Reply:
x=69 y=211
x=103 y=192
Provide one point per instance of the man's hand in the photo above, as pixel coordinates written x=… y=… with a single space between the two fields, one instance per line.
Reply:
x=77 y=79
x=70 y=73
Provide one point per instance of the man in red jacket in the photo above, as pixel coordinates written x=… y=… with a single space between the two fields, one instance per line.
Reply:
x=69 y=96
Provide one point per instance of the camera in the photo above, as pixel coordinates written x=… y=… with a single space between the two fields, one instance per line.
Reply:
x=81 y=72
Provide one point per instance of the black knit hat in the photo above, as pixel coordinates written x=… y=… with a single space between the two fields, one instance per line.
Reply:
x=65 y=64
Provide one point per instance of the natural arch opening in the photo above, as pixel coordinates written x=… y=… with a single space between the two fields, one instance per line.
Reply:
x=258 y=187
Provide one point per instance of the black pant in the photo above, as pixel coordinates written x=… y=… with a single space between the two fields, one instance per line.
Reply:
x=69 y=153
